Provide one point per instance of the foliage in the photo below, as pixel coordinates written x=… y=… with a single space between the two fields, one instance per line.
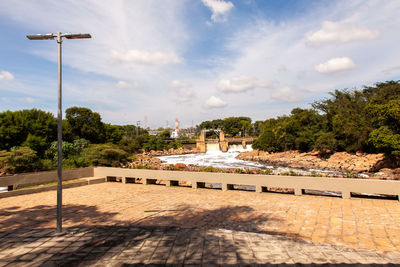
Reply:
x=232 y=126
x=208 y=169
x=36 y=143
x=35 y=127
x=68 y=149
x=113 y=133
x=22 y=159
x=164 y=134
x=366 y=120
x=325 y=142
x=386 y=140
x=154 y=143
x=84 y=123
x=298 y=131
x=104 y=155
x=175 y=144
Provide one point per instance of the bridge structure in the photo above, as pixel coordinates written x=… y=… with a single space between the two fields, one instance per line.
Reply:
x=222 y=141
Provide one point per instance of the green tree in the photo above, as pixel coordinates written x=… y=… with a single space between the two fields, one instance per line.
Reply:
x=17 y=126
x=84 y=123
x=22 y=159
x=105 y=155
x=113 y=133
x=36 y=143
x=164 y=134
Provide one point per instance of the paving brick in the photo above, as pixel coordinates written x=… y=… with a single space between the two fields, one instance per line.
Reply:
x=140 y=224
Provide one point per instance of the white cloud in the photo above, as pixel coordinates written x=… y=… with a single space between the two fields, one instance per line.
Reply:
x=125 y=85
x=184 y=95
x=336 y=32
x=215 y=102
x=5 y=75
x=241 y=84
x=287 y=94
x=146 y=57
x=219 y=9
x=175 y=84
x=181 y=91
x=335 y=65
x=29 y=99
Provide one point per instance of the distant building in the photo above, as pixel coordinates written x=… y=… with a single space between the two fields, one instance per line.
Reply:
x=175 y=133
x=154 y=132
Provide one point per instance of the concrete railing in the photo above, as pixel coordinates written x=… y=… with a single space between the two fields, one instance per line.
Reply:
x=36 y=178
x=345 y=186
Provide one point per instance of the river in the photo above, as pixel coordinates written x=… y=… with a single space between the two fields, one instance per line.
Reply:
x=223 y=160
x=217 y=159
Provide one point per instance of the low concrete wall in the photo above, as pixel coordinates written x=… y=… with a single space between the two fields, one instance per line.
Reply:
x=198 y=179
x=52 y=187
x=36 y=178
x=299 y=183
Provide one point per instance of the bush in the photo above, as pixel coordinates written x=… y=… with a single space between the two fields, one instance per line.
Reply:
x=18 y=160
x=175 y=144
x=208 y=169
x=68 y=149
x=238 y=170
x=386 y=140
x=326 y=142
x=36 y=143
x=105 y=155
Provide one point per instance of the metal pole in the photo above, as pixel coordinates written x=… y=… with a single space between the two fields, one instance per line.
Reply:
x=59 y=139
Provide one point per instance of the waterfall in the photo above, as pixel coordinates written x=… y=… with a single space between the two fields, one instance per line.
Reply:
x=239 y=148
x=212 y=147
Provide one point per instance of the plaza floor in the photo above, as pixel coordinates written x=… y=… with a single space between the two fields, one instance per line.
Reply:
x=113 y=224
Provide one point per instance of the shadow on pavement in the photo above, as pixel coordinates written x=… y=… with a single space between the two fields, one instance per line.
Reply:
x=226 y=236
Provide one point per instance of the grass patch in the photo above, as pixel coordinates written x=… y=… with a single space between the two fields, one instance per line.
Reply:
x=49 y=184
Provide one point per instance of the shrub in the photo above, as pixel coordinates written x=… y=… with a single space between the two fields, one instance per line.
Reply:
x=36 y=143
x=175 y=144
x=316 y=174
x=105 y=155
x=208 y=169
x=350 y=174
x=68 y=149
x=326 y=142
x=18 y=160
x=238 y=170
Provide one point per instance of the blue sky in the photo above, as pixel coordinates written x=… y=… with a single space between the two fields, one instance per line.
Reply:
x=152 y=61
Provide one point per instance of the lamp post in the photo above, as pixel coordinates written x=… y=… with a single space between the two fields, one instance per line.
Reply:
x=59 y=36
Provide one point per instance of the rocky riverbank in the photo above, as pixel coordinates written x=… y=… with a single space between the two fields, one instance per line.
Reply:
x=149 y=160
x=171 y=151
x=373 y=164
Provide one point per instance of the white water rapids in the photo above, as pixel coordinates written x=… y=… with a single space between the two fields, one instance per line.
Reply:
x=215 y=158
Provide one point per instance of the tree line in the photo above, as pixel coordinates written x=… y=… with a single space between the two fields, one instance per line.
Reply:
x=365 y=120
x=28 y=140
x=233 y=126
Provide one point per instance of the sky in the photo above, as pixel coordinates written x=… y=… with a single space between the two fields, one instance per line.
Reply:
x=153 y=61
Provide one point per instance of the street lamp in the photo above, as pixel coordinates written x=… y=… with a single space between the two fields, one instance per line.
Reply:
x=59 y=36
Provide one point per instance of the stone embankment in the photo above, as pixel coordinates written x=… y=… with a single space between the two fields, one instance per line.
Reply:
x=339 y=161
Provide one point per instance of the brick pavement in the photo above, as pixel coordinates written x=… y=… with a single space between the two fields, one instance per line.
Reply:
x=186 y=226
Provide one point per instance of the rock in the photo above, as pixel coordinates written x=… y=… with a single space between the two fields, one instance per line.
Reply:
x=181 y=166
x=340 y=161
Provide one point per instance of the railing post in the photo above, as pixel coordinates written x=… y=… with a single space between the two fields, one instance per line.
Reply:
x=226 y=187
x=346 y=194
x=259 y=189
x=298 y=192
